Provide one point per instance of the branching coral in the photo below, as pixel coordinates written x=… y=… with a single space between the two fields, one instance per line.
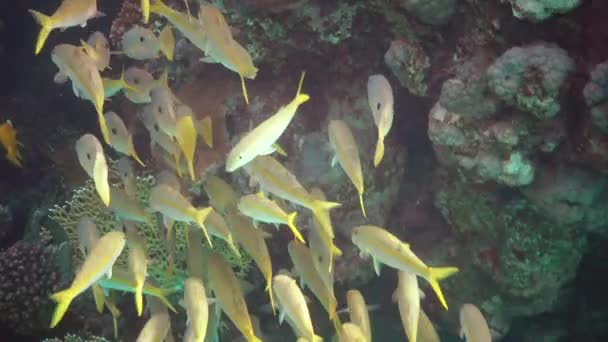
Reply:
x=531 y=77
x=76 y=338
x=28 y=275
x=86 y=203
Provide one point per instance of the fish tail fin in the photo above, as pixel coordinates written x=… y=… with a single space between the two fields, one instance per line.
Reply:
x=316 y=338
x=124 y=84
x=269 y=290
x=167 y=42
x=318 y=208
x=177 y=157
x=102 y=122
x=244 y=89
x=379 y=150
x=319 y=205
x=335 y=251
x=162 y=296
x=98 y=297
x=234 y=248
x=63 y=299
x=139 y=299
x=132 y=152
x=436 y=274
x=301 y=98
x=145 y=10
x=253 y=338
x=46 y=25
x=201 y=216
x=159 y=7
x=186 y=138
x=362 y=204
x=291 y=219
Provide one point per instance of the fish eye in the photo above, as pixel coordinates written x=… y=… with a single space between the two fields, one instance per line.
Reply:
x=126 y=174
x=156 y=127
x=141 y=39
x=88 y=156
x=114 y=131
x=240 y=157
x=160 y=109
x=136 y=80
x=378 y=106
x=84 y=51
x=320 y=259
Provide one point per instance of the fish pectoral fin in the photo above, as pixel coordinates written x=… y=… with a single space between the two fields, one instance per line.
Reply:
x=334 y=160
x=461 y=333
x=281 y=316
x=377 y=266
x=109 y=274
x=99 y=14
x=208 y=59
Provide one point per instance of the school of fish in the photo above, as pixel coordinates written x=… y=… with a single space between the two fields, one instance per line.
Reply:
x=212 y=286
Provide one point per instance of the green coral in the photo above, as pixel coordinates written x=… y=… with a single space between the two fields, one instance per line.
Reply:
x=86 y=203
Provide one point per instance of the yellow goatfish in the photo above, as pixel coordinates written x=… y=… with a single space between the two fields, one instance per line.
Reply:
x=121 y=139
x=88 y=235
x=197 y=309
x=174 y=205
x=347 y=153
x=218 y=227
x=69 y=14
x=191 y=29
x=194 y=253
x=351 y=332
x=127 y=208
x=380 y=99
x=145 y=10
x=112 y=86
x=253 y=242
x=276 y=179
x=426 y=330
x=304 y=268
x=138 y=263
x=205 y=129
x=160 y=138
x=91 y=158
x=98 y=48
x=156 y=328
x=263 y=209
x=292 y=304
x=473 y=326
x=357 y=311
x=140 y=43
x=322 y=257
x=321 y=241
x=98 y=263
x=221 y=195
x=8 y=139
x=228 y=293
x=142 y=82
x=80 y=68
x=386 y=248
x=220 y=46
x=185 y=134
x=122 y=280
x=125 y=172
x=407 y=296
x=261 y=139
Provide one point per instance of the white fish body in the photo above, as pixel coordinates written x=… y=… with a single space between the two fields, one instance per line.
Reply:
x=87 y=233
x=127 y=176
x=197 y=309
x=98 y=263
x=358 y=313
x=261 y=139
x=156 y=328
x=140 y=43
x=407 y=296
x=127 y=208
x=346 y=151
x=380 y=99
x=91 y=158
x=99 y=50
x=120 y=138
x=473 y=326
x=142 y=81
x=292 y=304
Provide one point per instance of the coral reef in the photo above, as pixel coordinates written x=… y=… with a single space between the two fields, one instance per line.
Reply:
x=538 y=10
x=410 y=64
x=28 y=275
x=76 y=338
x=596 y=96
x=530 y=78
x=433 y=12
x=86 y=203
